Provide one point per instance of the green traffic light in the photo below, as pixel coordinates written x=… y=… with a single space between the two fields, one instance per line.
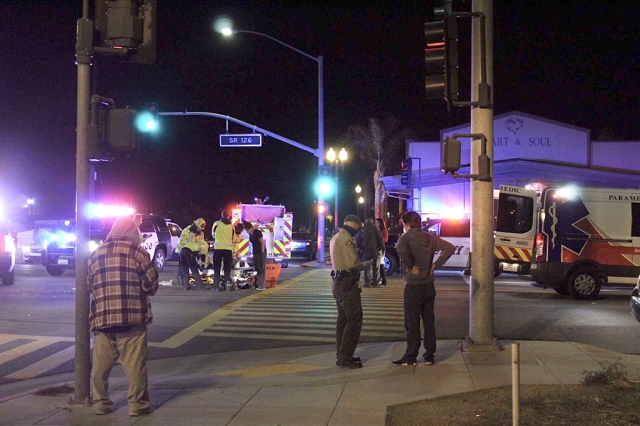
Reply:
x=147 y=122
x=324 y=186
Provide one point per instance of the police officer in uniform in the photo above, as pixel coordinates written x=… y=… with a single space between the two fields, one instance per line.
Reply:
x=345 y=274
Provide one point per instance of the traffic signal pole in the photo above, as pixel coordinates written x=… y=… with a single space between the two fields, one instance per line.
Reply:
x=481 y=289
x=83 y=48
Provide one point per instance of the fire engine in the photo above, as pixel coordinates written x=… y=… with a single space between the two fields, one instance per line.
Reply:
x=276 y=225
x=572 y=239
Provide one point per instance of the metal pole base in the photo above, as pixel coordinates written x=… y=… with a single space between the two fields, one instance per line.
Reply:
x=469 y=346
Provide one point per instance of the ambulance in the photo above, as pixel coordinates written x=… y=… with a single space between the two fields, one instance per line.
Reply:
x=572 y=239
x=276 y=225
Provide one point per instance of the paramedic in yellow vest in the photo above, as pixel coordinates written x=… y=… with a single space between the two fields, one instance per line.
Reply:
x=191 y=246
x=223 y=235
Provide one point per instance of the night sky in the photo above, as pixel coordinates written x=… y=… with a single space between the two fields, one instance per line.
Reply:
x=575 y=62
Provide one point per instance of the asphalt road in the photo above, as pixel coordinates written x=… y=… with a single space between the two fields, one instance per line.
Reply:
x=37 y=317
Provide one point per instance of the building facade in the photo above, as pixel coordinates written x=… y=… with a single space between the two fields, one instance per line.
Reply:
x=527 y=150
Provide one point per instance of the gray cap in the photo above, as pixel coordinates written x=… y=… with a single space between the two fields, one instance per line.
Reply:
x=352 y=218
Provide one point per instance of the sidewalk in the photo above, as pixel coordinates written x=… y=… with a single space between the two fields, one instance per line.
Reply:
x=302 y=385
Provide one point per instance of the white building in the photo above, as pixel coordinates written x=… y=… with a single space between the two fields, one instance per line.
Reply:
x=527 y=149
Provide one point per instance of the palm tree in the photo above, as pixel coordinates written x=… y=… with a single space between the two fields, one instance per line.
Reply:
x=377 y=145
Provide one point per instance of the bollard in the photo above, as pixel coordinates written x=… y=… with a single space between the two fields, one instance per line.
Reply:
x=515 y=382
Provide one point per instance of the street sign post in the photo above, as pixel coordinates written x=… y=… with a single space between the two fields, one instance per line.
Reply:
x=249 y=140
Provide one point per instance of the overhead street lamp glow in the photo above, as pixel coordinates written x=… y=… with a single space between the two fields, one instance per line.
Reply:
x=224 y=25
x=337 y=164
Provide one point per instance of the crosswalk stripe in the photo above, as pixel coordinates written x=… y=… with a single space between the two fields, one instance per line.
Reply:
x=45 y=364
x=16 y=352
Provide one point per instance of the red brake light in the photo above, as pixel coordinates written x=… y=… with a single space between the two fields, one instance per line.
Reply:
x=539 y=249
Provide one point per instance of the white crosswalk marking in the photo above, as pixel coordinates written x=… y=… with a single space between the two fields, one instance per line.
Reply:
x=300 y=309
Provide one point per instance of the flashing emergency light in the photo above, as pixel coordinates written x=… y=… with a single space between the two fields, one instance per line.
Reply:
x=97 y=211
x=453 y=213
x=567 y=193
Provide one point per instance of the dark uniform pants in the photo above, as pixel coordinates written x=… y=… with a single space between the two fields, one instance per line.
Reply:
x=188 y=262
x=371 y=273
x=220 y=256
x=418 y=303
x=349 y=322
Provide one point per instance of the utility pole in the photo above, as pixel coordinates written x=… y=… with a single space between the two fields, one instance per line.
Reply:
x=481 y=288
x=84 y=48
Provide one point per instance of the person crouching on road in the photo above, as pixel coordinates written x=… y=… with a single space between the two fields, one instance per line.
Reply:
x=121 y=278
x=259 y=255
x=345 y=274
x=191 y=246
x=416 y=249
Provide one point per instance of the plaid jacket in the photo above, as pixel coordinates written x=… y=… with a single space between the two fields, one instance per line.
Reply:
x=121 y=278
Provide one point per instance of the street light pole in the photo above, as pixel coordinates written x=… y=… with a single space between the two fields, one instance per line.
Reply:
x=320 y=152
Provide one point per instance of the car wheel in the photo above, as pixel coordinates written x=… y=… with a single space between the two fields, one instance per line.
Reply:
x=159 y=260
x=584 y=283
x=7 y=278
x=55 y=271
x=390 y=264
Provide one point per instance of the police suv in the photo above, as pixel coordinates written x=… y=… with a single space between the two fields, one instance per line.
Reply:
x=156 y=240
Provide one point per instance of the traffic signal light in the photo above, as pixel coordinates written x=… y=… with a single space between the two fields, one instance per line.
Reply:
x=147 y=119
x=121 y=131
x=323 y=208
x=450 y=155
x=127 y=24
x=441 y=59
x=405 y=178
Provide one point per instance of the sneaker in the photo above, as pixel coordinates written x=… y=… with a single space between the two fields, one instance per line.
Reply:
x=428 y=360
x=142 y=412
x=352 y=364
x=260 y=289
x=101 y=411
x=405 y=362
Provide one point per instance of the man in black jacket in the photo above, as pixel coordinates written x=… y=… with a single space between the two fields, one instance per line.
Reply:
x=371 y=242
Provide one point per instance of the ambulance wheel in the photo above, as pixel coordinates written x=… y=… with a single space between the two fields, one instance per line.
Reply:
x=159 y=260
x=584 y=283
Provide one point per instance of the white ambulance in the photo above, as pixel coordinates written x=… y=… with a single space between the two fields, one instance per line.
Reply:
x=572 y=239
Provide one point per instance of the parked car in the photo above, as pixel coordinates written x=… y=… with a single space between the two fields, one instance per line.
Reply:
x=175 y=231
x=156 y=240
x=7 y=253
x=303 y=244
x=455 y=231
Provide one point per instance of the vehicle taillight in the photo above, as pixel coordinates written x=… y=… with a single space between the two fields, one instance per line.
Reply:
x=539 y=248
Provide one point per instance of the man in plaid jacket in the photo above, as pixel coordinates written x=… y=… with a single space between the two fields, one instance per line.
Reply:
x=121 y=278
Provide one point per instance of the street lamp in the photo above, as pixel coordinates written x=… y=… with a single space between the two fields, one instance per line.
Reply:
x=225 y=28
x=360 y=199
x=337 y=163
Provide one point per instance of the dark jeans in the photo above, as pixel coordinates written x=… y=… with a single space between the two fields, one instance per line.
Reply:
x=188 y=261
x=220 y=256
x=418 y=303
x=260 y=265
x=372 y=255
x=349 y=323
